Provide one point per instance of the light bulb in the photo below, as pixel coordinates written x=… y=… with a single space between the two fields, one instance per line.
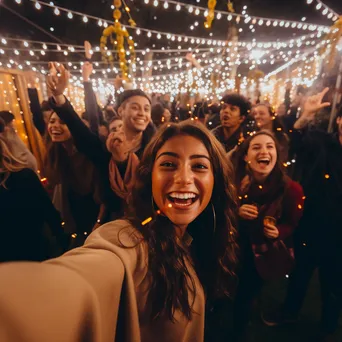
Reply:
x=85 y=19
x=70 y=15
x=38 y=6
x=57 y=11
x=166 y=5
x=178 y=7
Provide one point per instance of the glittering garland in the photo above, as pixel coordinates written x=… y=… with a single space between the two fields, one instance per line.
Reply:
x=211 y=13
x=121 y=34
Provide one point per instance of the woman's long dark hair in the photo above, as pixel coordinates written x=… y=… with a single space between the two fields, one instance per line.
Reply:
x=277 y=176
x=56 y=162
x=213 y=250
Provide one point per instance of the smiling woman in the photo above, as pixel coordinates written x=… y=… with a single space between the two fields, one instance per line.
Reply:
x=271 y=205
x=145 y=278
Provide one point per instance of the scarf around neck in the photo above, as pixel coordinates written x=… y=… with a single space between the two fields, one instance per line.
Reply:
x=123 y=187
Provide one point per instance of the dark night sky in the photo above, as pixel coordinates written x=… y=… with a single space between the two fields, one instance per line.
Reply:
x=75 y=31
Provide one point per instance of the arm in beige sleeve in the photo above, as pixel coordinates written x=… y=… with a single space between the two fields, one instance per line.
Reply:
x=72 y=298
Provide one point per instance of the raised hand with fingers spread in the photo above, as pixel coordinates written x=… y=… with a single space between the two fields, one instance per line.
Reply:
x=58 y=79
x=312 y=105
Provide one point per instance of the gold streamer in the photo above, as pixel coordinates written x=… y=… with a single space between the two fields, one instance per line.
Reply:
x=211 y=13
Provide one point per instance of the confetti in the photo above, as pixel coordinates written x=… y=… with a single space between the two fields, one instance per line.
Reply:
x=146 y=221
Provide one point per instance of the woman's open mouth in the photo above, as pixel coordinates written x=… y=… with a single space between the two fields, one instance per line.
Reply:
x=56 y=132
x=264 y=161
x=182 y=199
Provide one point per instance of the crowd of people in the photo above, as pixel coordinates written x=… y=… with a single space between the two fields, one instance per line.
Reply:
x=153 y=217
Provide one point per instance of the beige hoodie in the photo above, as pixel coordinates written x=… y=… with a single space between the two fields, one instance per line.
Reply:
x=96 y=293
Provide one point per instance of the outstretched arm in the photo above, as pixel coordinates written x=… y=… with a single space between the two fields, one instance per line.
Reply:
x=85 y=141
x=37 y=114
x=90 y=98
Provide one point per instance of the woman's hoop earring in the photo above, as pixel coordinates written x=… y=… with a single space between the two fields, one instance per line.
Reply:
x=157 y=211
x=214 y=215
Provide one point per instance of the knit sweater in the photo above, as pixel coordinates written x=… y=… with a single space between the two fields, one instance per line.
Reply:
x=98 y=292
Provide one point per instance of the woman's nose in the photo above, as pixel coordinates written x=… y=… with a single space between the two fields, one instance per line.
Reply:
x=184 y=175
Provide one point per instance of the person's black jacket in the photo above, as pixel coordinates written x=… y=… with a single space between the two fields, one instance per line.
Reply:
x=318 y=168
x=25 y=211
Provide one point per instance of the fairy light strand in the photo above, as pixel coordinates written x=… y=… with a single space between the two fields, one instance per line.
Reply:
x=260 y=21
x=324 y=9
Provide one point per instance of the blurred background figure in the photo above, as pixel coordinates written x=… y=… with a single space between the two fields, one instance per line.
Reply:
x=30 y=225
x=160 y=114
x=16 y=146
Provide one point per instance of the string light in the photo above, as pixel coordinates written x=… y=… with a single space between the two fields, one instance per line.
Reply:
x=324 y=9
x=196 y=10
x=191 y=41
x=202 y=76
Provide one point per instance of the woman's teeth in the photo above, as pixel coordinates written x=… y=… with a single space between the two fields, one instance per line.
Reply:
x=182 y=195
x=182 y=199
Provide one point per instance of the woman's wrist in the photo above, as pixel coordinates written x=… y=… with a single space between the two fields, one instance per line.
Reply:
x=60 y=100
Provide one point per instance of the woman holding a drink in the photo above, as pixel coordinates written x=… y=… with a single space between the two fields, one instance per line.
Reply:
x=271 y=205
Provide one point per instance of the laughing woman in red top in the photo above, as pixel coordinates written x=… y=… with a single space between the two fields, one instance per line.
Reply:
x=270 y=208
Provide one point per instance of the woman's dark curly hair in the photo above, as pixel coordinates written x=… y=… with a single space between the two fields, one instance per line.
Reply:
x=213 y=250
